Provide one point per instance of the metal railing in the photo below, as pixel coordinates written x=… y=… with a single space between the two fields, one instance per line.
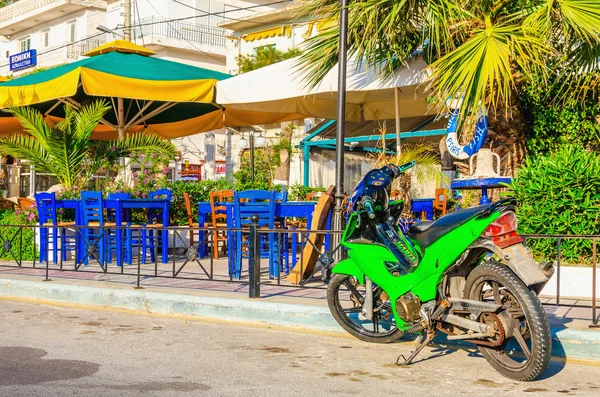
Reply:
x=177 y=30
x=59 y=54
x=23 y=7
x=20 y=248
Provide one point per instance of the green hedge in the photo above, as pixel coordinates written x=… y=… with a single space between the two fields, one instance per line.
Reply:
x=29 y=252
x=198 y=191
x=559 y=193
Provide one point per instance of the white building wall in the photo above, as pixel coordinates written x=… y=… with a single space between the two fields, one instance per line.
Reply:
x=237 y=45
x=56 y=52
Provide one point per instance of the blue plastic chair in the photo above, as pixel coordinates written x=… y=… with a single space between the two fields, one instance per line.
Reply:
x=281 y=197
x=92 y=206
x=111 y=217
x=151 y=239
x=262 y=204
x=47 y=215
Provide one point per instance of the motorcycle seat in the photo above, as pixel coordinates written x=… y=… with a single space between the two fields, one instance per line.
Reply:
x=427 y=232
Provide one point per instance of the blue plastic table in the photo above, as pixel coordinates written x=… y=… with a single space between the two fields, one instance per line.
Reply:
x=423 y=205
x=119 y=206
x=289 y=209
x=480 y=183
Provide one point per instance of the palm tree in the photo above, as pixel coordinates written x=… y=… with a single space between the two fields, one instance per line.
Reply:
x=477 y=50
x=65 y=149
x=426 y=170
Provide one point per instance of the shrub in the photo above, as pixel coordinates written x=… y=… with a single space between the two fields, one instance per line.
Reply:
x=198 y=191
x=560 y=194
x=21 y=244
x=298 y=192
x=553 y=122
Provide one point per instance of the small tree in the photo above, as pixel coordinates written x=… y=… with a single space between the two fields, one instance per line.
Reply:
x=264 y=56
x=65 y=149
x=264 y=165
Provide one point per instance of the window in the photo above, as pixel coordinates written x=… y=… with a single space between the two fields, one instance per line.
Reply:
x=45 y=39
x=71 y=31
x=25 y=44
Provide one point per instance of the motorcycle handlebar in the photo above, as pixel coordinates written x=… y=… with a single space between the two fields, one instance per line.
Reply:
x=406 y=166
x=367 y=204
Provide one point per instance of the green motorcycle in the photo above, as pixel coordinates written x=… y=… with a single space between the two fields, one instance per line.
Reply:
x=467 y=275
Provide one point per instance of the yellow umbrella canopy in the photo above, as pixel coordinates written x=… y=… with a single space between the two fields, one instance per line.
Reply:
x=147 y=93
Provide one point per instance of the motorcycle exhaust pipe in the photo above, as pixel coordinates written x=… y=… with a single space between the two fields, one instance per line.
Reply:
x=548 y=269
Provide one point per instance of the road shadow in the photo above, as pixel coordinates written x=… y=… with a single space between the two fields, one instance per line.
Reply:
x=440 y=347
x=26 y=366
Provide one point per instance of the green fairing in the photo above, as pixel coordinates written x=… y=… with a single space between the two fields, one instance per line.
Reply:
x=370 y=258
x=347 y=266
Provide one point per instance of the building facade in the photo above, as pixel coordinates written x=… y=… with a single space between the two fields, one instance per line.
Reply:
x=62 y=30
x=205 y=33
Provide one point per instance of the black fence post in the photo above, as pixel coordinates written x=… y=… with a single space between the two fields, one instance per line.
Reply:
x=558 y=272
x=254 y=253
x=594 y=263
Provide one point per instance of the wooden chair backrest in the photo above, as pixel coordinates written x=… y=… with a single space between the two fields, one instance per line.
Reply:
x=188 y=209
x=441 y=200
x=25 y=202
x=218 y=210
x=314 y=196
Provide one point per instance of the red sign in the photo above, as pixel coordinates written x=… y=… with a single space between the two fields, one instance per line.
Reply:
x=220 y=169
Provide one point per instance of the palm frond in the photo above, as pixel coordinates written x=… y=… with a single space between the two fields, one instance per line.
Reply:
x=27 y=147
x=32 y=121
x=480 y=71
x=581 y=18
x=384 y=33
x=67 y=153
x=88 y=117
x=141 y=142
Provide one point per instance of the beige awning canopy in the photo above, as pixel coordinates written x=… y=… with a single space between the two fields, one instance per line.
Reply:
x=281 y=88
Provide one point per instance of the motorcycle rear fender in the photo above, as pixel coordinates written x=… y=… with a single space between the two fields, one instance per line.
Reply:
x=518 y=259
x=348 y=267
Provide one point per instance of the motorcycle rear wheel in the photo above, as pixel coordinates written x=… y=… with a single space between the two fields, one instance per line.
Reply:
x=345 y=297
x=527 y=357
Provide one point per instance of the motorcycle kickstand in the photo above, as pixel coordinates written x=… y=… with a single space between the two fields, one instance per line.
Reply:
x=421 y=342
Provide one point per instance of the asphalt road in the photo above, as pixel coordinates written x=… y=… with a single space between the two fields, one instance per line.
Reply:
x=59 y=351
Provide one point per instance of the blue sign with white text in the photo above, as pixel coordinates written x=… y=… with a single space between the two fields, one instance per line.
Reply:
x=22 y=60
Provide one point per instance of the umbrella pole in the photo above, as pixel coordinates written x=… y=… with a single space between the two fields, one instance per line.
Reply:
x=338 y=215
x=121 y=131
x=398 y=142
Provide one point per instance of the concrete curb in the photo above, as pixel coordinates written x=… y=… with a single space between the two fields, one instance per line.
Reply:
x=569 y=343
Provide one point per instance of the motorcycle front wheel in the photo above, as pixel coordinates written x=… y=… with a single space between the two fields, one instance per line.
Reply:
x=525 y=354
x=346 y=296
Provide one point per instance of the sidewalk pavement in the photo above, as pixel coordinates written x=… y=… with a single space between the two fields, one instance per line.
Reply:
x=279 y=306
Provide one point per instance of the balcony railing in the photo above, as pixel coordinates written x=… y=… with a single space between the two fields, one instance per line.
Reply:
x=22 y=7
x=201 y=34
x=61 y=53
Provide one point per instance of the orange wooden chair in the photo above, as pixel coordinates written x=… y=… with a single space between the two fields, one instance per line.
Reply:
x=25 y=202
x=440 y=203
x=219 y=218
x=190 y=217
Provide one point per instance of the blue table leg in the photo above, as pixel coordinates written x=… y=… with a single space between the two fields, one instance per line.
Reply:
x=43 y=245
x=484 y=197
x=119 y=246
x=165 y=234
x=328 y=235
x=202 y=246
x=430 y=213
